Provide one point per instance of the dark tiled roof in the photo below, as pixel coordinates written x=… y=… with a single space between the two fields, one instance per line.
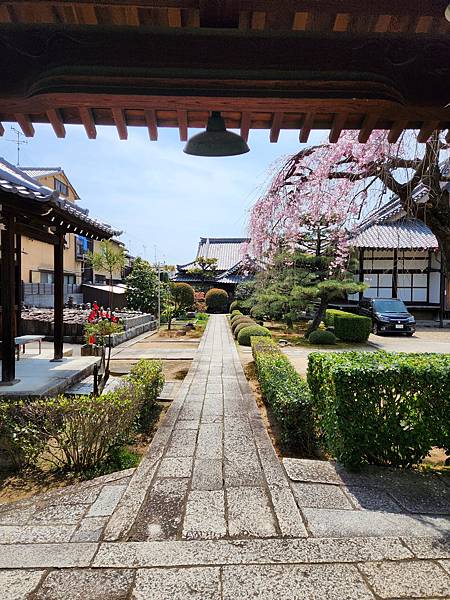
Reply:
x=228 y=251
x=15 y=181
x=402 y=234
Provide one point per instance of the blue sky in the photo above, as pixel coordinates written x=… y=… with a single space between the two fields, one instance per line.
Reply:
x=155 y=193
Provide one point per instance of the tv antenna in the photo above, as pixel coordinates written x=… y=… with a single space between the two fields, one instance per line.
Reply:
x=18 y=141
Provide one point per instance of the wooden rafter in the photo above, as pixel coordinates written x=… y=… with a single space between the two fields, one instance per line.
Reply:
x=182 y=124
x=88 y=122
x=337 y=127
x=25 y=124
x=121 y=125
x=368 y=125
x=396 y=130
x=150 y=119
x=307 y=125
x=245 y=125
x=56 y=122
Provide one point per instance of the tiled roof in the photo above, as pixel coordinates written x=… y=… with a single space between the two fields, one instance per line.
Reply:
x=41 y=171
x=228 y=251
x=14 y=181
x=402 y=234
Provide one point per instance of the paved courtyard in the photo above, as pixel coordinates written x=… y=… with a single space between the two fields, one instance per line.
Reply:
x=212 y=513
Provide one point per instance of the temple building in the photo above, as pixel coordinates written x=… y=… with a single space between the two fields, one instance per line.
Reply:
x=229 y=268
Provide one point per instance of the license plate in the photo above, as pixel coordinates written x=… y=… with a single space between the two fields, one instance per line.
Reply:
x=399 y=327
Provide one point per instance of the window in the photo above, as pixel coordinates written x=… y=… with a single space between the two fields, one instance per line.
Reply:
x=380 y=285
x=46 y=277
x=69 y=279
x=61 y=187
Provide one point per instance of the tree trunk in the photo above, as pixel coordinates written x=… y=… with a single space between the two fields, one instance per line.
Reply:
x=317 y=317
x=439 y=223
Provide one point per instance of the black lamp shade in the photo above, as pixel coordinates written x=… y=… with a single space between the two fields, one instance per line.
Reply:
x=216 y=140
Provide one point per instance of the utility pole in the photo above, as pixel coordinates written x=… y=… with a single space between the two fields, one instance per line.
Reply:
x=158 y=266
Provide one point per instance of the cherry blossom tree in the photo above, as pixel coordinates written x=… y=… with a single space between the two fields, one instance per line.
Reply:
x=334 y=183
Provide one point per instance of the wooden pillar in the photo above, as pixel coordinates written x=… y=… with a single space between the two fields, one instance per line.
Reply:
x=8 y=295
x=395 y=275
x=58 y=286
x=18 y=284
x=361 y=271
x=442 y=296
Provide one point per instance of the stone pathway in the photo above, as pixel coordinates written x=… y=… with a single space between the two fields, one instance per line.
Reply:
x=211 y=513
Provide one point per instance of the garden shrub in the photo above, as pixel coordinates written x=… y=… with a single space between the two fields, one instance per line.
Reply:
x=216 y=300
x=21 y=440
x=237 y=321
x=287 y=394
x=235 y=313
x=241 y=326
x=148 y=376
x=252 y=330
x=352 y=328
x=80 y=433
x=381 y=408
x=330 y=313
x=235 y=305
x=321 y=336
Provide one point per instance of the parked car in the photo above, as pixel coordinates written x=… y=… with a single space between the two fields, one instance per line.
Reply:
x=388 y=315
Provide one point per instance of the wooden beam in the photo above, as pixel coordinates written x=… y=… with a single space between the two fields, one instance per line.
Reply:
x=342 y=21
x=121 y=125
x=307 y=125
x=423 y=24
x=382 y=23
x=183 y=124
x=337 y=127
x=174 y=17
x=2 y=129
x=58 y=290
x=300 y=21
x=150 y=119
x=8 y=299
x=426 y=130
x=25 y=124
x=447 y=137
x=258 y=20
x=18 y=283
x=396 y=130
x=277 y=122
x=36 y=233
x=56 y=122
x=245 y=125
x=88 y=122
x=369 y=124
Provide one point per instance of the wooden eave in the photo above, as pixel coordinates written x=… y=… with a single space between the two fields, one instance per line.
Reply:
x=266 y=64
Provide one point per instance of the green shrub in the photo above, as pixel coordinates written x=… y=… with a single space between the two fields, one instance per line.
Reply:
x=286 y=393
x=148 y=377
x=202 y=316
x=241 y=326
x=381 y=408
x=352 y=328
x=216 y=300
x=21 y=440
x=83 y=430
x=252 y=330
x=235 y=313
x=321 y=336
x=235 y=305
x=330 y=313
x=238 y=320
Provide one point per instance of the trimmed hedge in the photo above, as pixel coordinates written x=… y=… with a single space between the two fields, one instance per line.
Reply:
x=235 y=305
x=237 y=321
x=286 y=393
x=148 y=376
x=216 y=300
x=241 y=326
x=235 y=313
x=352 y=328
x=321 y=336
x=330 y=313
x=381 y=408
x=252 y=330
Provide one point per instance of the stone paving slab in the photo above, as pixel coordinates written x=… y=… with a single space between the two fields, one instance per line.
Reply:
x=292 y=582
x=34 y=556
x=178 y=584
x=249 y=551
x=86 y=584
x=407 y=580
x=16 y=585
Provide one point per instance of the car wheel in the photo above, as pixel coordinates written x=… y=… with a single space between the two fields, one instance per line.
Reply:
x=409 y=334
x=376 y=329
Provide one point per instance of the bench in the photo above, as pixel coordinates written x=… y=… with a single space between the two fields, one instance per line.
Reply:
x=23 y=340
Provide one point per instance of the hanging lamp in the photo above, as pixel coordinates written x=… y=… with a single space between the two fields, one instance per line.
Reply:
x=216 y=140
